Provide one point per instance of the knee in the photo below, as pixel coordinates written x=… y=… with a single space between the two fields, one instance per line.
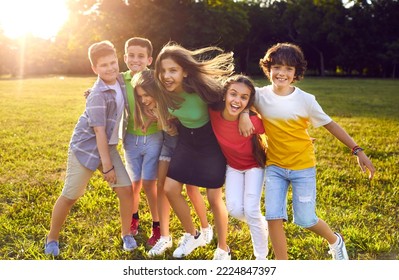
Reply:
x=123 y=191
x=236 y=212
x=252 y=214
x=171 y=192
x=67 y=201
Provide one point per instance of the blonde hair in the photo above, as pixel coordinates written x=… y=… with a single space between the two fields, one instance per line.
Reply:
x=205 y=74
x=100 y=49
x=146 y=80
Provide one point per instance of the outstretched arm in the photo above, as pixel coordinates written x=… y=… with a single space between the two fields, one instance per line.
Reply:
x=362 y=159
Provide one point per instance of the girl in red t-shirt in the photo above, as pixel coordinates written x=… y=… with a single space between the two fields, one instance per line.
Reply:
x=245 y=159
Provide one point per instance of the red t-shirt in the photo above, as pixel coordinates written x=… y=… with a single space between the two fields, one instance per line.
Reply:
x=236 y=148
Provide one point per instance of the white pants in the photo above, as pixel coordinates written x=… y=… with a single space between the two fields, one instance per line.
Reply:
x=243 y=196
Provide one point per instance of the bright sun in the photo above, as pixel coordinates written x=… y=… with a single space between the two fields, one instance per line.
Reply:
x=40 y=18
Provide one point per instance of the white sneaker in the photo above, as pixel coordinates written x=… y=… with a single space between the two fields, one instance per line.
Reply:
x=161 y=246
x=207 y=234
x=339 y=252
x=187 y=244
x=221 y=254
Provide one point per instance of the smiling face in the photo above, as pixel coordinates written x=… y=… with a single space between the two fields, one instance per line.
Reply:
x=236 y=100
x=282 y=76
x=107 y=68
x=137 y=58
x=147 y=100
x=172 y=75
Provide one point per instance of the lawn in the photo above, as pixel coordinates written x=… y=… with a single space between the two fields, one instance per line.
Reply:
x=38 y=115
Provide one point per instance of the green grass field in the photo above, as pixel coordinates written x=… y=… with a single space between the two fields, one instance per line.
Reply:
x=38 y=115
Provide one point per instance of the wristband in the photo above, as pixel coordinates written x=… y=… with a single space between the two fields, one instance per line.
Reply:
x=356 y=150
x=108 y=170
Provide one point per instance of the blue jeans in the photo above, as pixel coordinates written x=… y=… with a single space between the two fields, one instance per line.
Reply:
x=142 y=154
x=303 y=194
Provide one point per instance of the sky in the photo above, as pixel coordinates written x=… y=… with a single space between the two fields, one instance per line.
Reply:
x=40 y=18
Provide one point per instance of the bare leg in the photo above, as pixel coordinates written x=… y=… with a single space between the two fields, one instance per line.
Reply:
x=278 y=239
x=220 y=215
x=125 y=207
x=163 y=202
x=173 y=190
x=322 y=229
x=198 y=202
x=136 y=187
x=150 y=190
x=60 y=212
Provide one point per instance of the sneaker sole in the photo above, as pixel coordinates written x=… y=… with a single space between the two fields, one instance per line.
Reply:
x=159 y=253
x=184 y=255
x=129 y=249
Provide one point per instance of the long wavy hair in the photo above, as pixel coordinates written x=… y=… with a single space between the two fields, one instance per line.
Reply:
x=146 y=80
x=259 y=145
x=206 y=70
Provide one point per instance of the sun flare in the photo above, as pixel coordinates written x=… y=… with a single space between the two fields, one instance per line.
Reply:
x=40 y=18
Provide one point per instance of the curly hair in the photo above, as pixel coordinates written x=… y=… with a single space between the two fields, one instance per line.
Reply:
x=284 y=54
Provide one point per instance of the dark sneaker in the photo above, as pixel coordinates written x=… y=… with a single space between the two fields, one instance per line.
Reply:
x=156 y=234
x=134 y=226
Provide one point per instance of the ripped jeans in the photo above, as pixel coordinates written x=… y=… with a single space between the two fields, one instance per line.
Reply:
x=303 y=194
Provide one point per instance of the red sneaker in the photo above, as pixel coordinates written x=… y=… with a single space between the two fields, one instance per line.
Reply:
x=156 y=234
x=134 y=226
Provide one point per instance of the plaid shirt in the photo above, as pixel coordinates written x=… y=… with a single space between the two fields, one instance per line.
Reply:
x=100 y=111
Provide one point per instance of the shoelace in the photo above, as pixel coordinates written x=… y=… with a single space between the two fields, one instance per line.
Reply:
x=184 y=240
x=337 y=253
x=160 y=244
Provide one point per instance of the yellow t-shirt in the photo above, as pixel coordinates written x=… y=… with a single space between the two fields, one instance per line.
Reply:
x=286 y=120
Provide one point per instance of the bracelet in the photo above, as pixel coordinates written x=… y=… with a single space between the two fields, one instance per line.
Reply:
x=109 y=170
x=356 y=150
x=245 y=112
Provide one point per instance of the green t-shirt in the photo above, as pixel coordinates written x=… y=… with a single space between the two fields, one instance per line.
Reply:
x=193 y=112
x=153 y=128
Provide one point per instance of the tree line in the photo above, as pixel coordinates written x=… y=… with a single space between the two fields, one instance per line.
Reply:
x=345 y=38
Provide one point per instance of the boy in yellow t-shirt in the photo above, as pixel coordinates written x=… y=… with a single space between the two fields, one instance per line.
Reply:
x=287 y=112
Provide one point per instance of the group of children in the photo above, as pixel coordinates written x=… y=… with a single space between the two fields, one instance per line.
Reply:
x=192 y=121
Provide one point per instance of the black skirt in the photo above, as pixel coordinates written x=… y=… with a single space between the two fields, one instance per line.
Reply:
x=197 y=159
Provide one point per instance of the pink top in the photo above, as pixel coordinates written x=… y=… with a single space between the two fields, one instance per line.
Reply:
x=236 y=148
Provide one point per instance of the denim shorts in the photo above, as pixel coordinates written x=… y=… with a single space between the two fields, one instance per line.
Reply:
x=141 y=155
x=168 y=146
x=303 y=184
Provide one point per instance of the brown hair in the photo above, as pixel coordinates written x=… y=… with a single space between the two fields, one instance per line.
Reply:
x=146 y=80
x=259 y=145
x=284 y=54
x=142 y=42
x=204 y=74
x=100 y=49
